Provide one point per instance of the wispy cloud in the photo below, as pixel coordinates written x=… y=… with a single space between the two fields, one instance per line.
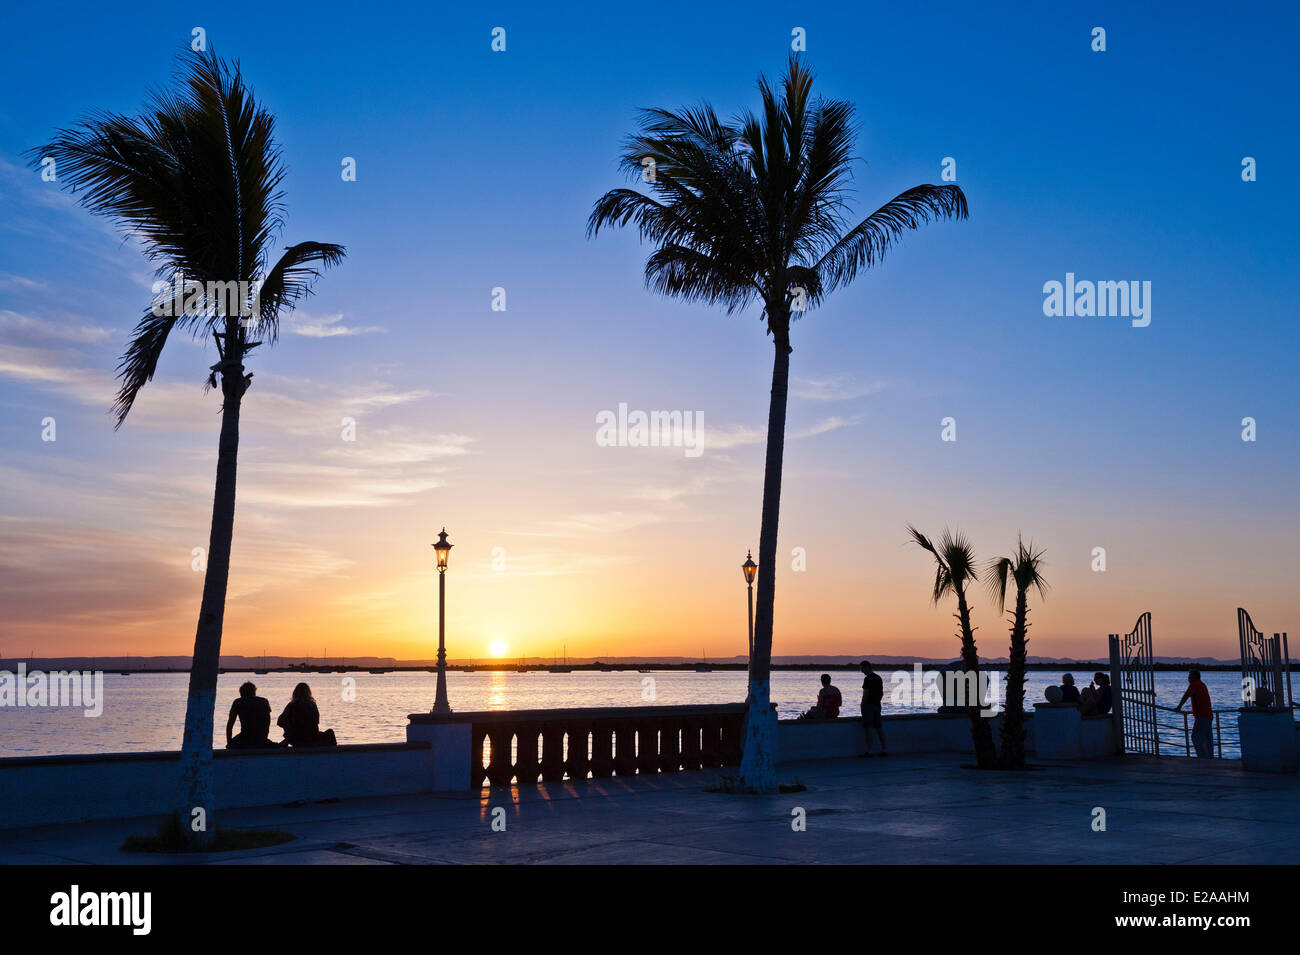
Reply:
x=39 y=369
x=18 y=328
x=20 y=282
x=326 y=326
x=723 y=439
x=833 y=388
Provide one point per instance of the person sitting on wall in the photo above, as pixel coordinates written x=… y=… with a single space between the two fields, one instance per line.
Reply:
x=1104 y=701
x=301 y=721
x=1089 y=700
x=829 y=701
x=1069 y=692
x=254 y=715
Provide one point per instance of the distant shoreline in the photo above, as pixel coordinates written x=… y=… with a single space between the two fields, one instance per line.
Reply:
x=1063 y=666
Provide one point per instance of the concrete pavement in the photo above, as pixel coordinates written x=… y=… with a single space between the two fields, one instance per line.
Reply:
x=905 y=809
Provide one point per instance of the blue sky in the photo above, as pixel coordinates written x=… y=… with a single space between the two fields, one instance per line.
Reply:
x=477 y=169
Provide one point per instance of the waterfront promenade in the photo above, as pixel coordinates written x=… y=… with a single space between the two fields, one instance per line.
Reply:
x=922 y=808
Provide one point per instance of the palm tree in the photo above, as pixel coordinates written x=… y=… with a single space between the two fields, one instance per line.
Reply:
x=1025 y=569
x=196 y=179
x=954 y=558
x=757 y=212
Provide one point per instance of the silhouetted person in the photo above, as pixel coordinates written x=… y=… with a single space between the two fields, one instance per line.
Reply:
x=873 y=693
x=254 y=715
x=1203 y=724
x=1069 y=692
x=1102 y=682
x=829 y=699
x=301 y=721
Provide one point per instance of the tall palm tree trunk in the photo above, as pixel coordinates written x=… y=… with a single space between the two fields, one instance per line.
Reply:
x=200 y=707
x=1013 y=711
x=758 y=762
x=980 y=730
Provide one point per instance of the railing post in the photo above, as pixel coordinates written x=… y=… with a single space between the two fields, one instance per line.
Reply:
x=1286 y=657
x=1116 y=693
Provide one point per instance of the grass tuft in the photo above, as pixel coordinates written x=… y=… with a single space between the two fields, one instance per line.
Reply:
x=170 y=837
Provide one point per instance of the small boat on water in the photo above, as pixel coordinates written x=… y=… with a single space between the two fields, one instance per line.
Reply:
x=378 y=671
x=260 y=672
x=562 y=669
x=704 y=667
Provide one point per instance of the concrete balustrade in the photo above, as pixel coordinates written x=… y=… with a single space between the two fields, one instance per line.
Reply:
x=499 y=747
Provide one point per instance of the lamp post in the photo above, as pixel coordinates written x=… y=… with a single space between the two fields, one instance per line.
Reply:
x=442 y=549
x=750 y=568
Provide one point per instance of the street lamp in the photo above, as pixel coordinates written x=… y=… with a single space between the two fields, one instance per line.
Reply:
x=441 y=550
x=750 y=568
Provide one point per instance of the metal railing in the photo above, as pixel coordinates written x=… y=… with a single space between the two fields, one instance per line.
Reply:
x=1187 y=730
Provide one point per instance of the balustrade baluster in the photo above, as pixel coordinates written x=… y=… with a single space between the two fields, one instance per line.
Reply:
x=602 y=755
x=526 y=764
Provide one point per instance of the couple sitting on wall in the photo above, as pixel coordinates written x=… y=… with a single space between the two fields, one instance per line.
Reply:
x=1093 y=700
x=300 y=721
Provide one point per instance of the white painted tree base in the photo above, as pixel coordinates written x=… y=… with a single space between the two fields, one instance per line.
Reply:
x=758 y=762
x=196 y=767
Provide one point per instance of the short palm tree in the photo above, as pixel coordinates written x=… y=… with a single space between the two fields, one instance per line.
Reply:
x=756 y=211
x=196 y=179
x=954 y=559
x=1024 y=569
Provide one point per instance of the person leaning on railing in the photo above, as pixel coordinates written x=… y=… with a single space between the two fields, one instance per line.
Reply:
x=1203 y=724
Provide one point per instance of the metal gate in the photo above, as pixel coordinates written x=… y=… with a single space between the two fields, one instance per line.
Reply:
x=1263 y=662
x=1133 y=689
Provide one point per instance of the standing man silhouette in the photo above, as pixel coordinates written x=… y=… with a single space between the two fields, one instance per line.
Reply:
x=873 y=693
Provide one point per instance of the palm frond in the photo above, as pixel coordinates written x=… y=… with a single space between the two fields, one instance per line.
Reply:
x=944 y=580
x=140 y=361
x=291 y=279
x=959 y=555
x=866 y=243
x=1024 y=568
x=995 y=577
